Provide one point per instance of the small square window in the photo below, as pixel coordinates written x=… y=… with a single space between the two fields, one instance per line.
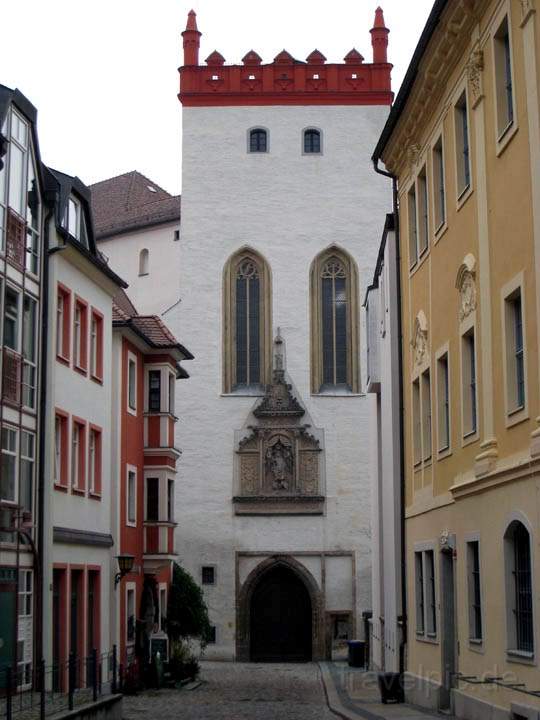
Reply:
x=208 y=575
x=176 y=235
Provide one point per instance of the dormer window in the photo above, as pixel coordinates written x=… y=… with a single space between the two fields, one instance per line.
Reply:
x=312 y=141
x=258 y=140
x=76 y=225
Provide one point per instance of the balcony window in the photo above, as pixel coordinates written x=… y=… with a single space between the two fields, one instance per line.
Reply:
x=504 y=93
x=468 y=393
x=463 y=162
x=439 y=185
x=154 y=390
x=18 y=164
x=32 y=220
x=152 y=499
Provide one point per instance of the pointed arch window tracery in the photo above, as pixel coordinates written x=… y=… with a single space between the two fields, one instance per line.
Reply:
x=247 y=325
x=334 y=322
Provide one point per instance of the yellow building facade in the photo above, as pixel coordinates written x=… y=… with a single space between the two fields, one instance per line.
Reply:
x=463 y=141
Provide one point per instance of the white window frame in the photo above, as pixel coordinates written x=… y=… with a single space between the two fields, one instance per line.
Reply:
x=23 y=148
x=17 y=319
x=32 y=364
x=15 y=454
x=170 y=484
x=75 y=206
x=163 y=600
x=30 y=459
x=58 y=448
x=92 y=454
x=162 y=390
x=514 y=413
x=426 y=414
x=75 y=455
x=93 y=344
x=26 y=594
x=131 y=358
x=172 y=394
x=131 y=469
x=77 y=333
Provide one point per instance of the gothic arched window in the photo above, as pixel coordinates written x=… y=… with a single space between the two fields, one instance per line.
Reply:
x=312 y=141
x=258 y=140
x=334 y=322
x=247 y=340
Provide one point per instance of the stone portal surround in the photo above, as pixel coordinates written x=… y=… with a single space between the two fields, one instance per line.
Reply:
x=317 y=595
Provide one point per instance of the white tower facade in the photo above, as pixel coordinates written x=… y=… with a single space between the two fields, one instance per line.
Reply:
x=279 y=237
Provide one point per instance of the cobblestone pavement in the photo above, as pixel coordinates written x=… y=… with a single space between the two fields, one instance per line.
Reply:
x=237 y=691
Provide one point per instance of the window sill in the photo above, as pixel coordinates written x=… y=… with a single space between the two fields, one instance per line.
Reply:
x=464 y=196
x=516 y=416
x=78 y=491
x=81 y=370
x=427 y=638
x=94 y=495
x=131 y=524
x=520 y=656
x=470 y=438
x=61 y=488
x=337 y=394
x=64 y=360
x=144 y=274
x=419 y=263
x=506 y=136
x=96 y=379
x=444 y=453
x=440 y=231
x=476 y=645
x=243 y=393
x=132 y=411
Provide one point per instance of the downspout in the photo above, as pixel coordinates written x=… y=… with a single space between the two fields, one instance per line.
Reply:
x=395 y=203
x=42 y=485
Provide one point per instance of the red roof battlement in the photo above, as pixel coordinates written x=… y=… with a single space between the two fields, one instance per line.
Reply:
x=286 y=81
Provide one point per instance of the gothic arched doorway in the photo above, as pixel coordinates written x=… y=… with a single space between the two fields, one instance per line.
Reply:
x=281 y=618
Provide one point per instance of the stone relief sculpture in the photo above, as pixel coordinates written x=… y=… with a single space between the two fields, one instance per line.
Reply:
x=279 y=456
x=466 y=284
x=420 y=338
x=279 y=463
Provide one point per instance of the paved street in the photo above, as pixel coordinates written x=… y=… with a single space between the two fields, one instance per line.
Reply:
x=239 y=691
x=236 y=691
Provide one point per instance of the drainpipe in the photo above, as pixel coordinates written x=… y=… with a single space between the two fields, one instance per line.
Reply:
x=401 y=416
x=42 y=485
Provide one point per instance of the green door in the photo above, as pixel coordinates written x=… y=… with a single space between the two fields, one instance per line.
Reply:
x=8 y=621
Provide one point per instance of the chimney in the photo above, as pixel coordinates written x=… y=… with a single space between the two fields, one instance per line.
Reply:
x=379 y=38
x=192 y=38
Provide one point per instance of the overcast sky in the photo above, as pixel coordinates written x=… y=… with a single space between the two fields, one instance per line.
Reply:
x=103 y=73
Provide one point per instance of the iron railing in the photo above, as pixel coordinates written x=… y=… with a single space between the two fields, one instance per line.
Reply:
x=40 y=690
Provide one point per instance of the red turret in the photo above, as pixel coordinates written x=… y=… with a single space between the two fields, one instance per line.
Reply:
x=379 y=38
x=192 y=40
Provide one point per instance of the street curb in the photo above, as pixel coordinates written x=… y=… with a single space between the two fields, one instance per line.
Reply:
x=334 y=702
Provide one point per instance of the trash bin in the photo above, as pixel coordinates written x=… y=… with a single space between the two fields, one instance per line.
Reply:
x=391 y=687
x=357 y=653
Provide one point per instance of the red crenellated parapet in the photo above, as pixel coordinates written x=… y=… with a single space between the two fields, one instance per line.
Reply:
x=287 y=81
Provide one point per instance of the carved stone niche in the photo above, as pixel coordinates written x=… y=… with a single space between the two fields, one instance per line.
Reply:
x=279 y=468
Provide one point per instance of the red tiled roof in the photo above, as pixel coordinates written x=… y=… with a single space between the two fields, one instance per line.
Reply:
x=131 y=201
x=149 y=327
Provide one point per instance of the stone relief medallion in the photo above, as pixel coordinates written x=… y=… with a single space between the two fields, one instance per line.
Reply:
x=475 y=69
x=468 y=296
x=420 y=339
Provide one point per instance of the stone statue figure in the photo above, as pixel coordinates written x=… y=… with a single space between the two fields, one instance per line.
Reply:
x=279 y=462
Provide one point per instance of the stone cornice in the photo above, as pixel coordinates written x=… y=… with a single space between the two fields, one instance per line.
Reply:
x=520 y=469
x=449 y=45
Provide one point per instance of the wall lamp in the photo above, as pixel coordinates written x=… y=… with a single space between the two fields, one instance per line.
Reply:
x=125 y=566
